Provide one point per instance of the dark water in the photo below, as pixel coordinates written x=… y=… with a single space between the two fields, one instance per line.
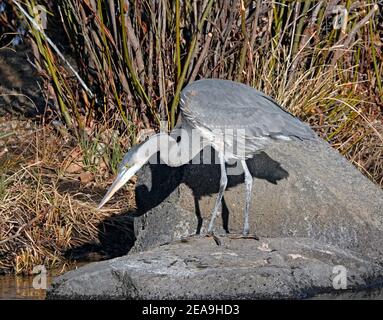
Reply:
x=23 y=287
x=20 y=288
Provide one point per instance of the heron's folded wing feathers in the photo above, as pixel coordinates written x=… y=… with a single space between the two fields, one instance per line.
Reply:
x=221 y=104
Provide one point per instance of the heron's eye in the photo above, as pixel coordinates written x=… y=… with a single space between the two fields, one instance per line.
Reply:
x=178 y=139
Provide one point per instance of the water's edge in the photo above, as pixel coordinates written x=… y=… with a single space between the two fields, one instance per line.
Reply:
x=22 y=288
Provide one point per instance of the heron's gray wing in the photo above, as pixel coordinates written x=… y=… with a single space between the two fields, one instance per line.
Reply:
x=223 y=104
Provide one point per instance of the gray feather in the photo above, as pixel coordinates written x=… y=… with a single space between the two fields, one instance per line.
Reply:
x=214 y=105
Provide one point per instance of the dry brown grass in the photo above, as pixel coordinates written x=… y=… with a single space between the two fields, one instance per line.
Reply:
x=44 y=210
x=344 y=114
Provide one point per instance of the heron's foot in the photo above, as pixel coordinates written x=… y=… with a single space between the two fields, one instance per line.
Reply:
x=215 y=238
x=242 y=236
x=190 y=237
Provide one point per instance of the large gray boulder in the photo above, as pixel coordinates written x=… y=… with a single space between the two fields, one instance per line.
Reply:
x=238 y=269
x=301 y=189
x=312 y=211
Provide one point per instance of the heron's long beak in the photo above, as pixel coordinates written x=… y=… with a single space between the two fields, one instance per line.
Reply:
x=122 y=178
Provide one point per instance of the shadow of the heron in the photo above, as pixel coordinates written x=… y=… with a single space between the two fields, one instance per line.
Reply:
x=157 y=182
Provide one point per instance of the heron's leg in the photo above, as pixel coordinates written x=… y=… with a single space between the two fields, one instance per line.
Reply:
x=222 y=187
x=249 y=185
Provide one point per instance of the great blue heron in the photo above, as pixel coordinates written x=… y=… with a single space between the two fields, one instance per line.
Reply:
x=233 y=118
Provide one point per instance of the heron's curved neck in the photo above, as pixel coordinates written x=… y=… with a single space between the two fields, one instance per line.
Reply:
x=172 y=153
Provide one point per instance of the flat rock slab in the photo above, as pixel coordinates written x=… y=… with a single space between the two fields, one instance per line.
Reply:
x=196 y=268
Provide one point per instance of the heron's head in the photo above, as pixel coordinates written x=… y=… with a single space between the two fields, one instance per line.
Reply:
x=134 y=159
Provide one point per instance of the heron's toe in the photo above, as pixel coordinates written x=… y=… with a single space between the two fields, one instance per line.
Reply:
x=255 y=237
x=217 y=240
